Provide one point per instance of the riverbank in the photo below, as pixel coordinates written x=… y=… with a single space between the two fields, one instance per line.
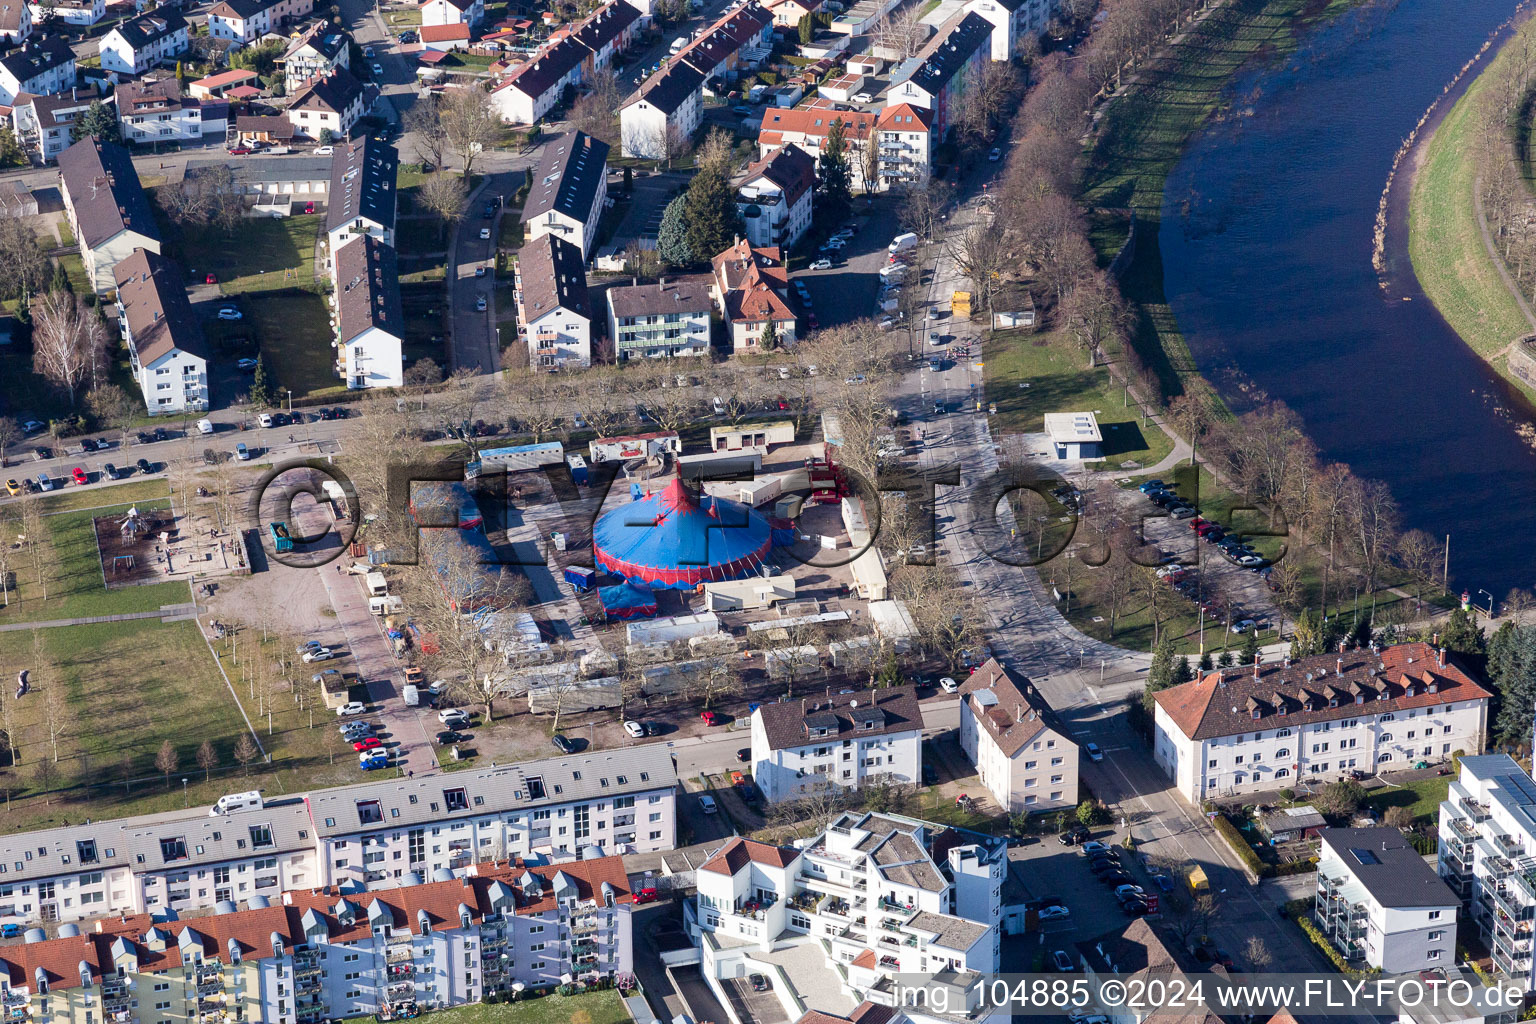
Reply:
x=1448 y=244
x=1140 y=137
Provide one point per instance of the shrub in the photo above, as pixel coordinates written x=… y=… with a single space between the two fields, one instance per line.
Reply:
x=1234 y=838
x=1295 y=867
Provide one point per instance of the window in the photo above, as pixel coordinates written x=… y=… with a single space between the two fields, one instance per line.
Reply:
x=1434 y=915
x=455 y=800
x=261 y=835
x=173 y=849
x=369 y=812
x=1436 y=936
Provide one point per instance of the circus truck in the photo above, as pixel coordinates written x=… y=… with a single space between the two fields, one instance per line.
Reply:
x=636 y=446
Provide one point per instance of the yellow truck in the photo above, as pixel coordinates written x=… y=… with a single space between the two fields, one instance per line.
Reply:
x=1198 y=883
x=960 y=305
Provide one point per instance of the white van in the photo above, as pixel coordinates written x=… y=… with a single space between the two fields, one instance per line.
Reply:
x=205 y=426
x=903 y=243
x=232 y=802
x=412 y=696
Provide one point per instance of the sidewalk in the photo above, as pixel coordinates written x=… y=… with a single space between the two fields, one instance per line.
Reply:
x=167 y=613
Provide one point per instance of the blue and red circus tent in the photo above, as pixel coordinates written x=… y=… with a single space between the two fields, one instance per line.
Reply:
x=624 y=601
x=676 y=539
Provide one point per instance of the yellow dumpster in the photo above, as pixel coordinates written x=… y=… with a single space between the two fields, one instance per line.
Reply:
x=960 y=305
x=1198 y=883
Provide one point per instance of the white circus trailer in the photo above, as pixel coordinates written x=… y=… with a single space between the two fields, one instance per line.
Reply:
x=742 y=595
x=671 y=630
x=748 y=436
x=692 y=467
x=638 y=446
x=521 y=457
x=574 y=695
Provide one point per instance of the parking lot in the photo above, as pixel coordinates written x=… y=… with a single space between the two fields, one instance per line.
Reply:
x=758 y=1007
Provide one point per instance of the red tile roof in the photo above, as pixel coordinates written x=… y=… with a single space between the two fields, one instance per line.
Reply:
x=812 y=123
x=904 y=117
x=865 y=959
x=444 y=33
x=739 y=852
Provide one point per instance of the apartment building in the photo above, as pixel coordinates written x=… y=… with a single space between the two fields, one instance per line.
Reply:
x=570 y=188
x=451 y=12
x=808 y=127
x=15 y=22
x=1022 y=754
x=315 y=54
x=242 y=22
x=329 y=953
x=944 y=70
x=775 y=197
x=657 y=122
x=1487 y=855
x=739 y=39
x=166 y=348
x=328 y=107
x=533 y=88
x=1013 y=22
x=356 y=837
x=80 y=13
x=751 y=288
x=552 y=303
x=848 y=739
x=876 y=894
x=45 y=124
x=370 y=324
x=40 y=66
x=139 y=44
x=1378 y=902
x=107 y=208
x=1241 y=730
x=361 y=199
x=606 y=33
x=653 y=321
x=904 y=134
x=154 y=110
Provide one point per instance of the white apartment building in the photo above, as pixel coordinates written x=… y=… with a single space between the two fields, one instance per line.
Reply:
x=658 y=121
x=367 y=836
x=877 y=894
x=332 y=104
x=81 y=13
x=361 y=199
x=1378 y=902
x=242 y=22
x=656 y=321
x=1008 y=732
x=533 y=88
x=45 y=124
x=370 y=324
x=138 y=44
x=553 y=307
x=1487 y=855
x=570 y=188
x=906 y=146
x=775 y=197
x=1247 y=729
x=1012 y=21
x=315 y=54
x=166 y=348
x=452 y=12
x=154 y=110
x=107 y=208
x=800 y=747
x=40 y=66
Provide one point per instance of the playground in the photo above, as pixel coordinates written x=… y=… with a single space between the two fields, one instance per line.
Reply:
x=139 y=547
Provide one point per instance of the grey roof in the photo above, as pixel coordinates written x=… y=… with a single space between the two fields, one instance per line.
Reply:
x=104 y=189
x=334 y=93
x=950 y=53
x=677 y=295
x=670 y=87
x=367 y=289
x=135 y=842
x=36 y=56
x=48 y=108
x=606 y=24
x=1291 y=819
x=1391 y=870
x=11 y=14
x=567 y=180
x=948 y=931
x=883 y=711
x=152 y=292
x=241 y=9
x=1136 y=946
x=550 y=274
x=537 y=75
x=324 y=38
x=256 y=168
x=362 y=184
x=603 y=773
x=151 y=27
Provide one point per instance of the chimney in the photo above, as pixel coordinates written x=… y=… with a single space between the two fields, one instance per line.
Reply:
x=1441 y=659
x=1018 y=712
x=1339 y=665
x=1257 y=658
x=1287 y=662
x=1437 y=640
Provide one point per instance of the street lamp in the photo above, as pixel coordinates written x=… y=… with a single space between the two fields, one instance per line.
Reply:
x=183 y=792
x=290 y=398
x=1490 y=601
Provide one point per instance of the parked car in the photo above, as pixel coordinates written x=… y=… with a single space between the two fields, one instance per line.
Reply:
x=324 y=150
x=368 y=743
x=759 y=982
x=644 y=896
x=1094 y=846
x=1061 y=961
x=863 y=97
x=995 y=155
x=79 y=476
x=453 y=716
x=143 y=466
x=90 y=444
x=948 y=685
x=1093 y=751
x=230 y=313
x=13 y=487
x=709 y=718
x=321 y=654
x=1243 y=626
x=634 y=729
x=242 y=452
x=1053 y=913
x=351 y=707
x=707 y=804
x=109 y=471
x=377 y=69
x=562 y=744
x=33 y=426
x=485 y=233
x=246 y=365
x=821 y=264
x=1074 y=835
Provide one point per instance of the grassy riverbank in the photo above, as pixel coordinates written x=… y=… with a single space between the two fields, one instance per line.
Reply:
x=1143 y=133
x=1445 y=242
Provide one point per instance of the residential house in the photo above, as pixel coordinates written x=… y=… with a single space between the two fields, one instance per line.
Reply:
x=41 y=66
x=332 y=105
x=1380 y=904
x=15 y=22
x=670 y=318
x=787 y=13
x=1275 y=724
x=1487 y=855
x=329 y=953
x=872 y=896
x=847 y=740
x=45 y=124
x=807 y=127
x=242 y=22
x=606 y=33
x=533 y=88
x=138 y=44
x=164 y=337
x=569 y=190
x=154 y=110
x=273 y=129
x=361 y=197
x=1024 y=757
x=216 y=86
x=315 y=54
x=659 y=120
x=944 y=69
x=552 y=303
x=739 y=39
x=80 y=13
x=365 y=835
x=370 y=327
x=452 y=12
x=445 y=38
x=1140 y=951
x=905 y=136
x=775 y=197
x=108 y=210
x=750 y=287
x=1013 y=22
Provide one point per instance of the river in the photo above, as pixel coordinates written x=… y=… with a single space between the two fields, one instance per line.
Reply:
x=1266 y=243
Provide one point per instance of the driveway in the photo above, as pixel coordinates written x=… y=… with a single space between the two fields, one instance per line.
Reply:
x=472 y=341
x=847 y=291
x=753 y=1007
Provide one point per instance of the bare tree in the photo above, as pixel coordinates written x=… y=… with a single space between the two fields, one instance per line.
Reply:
x=206 y=759
x=442 y=194
x=980 y=256
x=470 y=124
x=23 y=266
x=1096 y=315
x=167 y=761
x=1418 y=554
x=69 y=342
x=10 y=433
x=424 y=123
x=594 y=113
x=247 y=751
x=1257 y=954
x=112 y=405
x=901 y=32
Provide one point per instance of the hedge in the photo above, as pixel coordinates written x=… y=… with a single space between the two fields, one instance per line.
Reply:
x=1334 y=956
x=1295 y=867
x=1234 y=838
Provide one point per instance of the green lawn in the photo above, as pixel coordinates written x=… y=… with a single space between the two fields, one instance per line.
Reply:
x=1422 y=798
x=293 y=329
x=1058 y=380
x=264 y=254
x=78 y=279
x=76 y=588
x=604 y=1006
x=1445 y=243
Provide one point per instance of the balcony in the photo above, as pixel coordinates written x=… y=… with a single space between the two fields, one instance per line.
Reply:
x=1509 y=846
x=399 y=954
x=1464 y=829
x=1472 y=809
x=890 y=905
